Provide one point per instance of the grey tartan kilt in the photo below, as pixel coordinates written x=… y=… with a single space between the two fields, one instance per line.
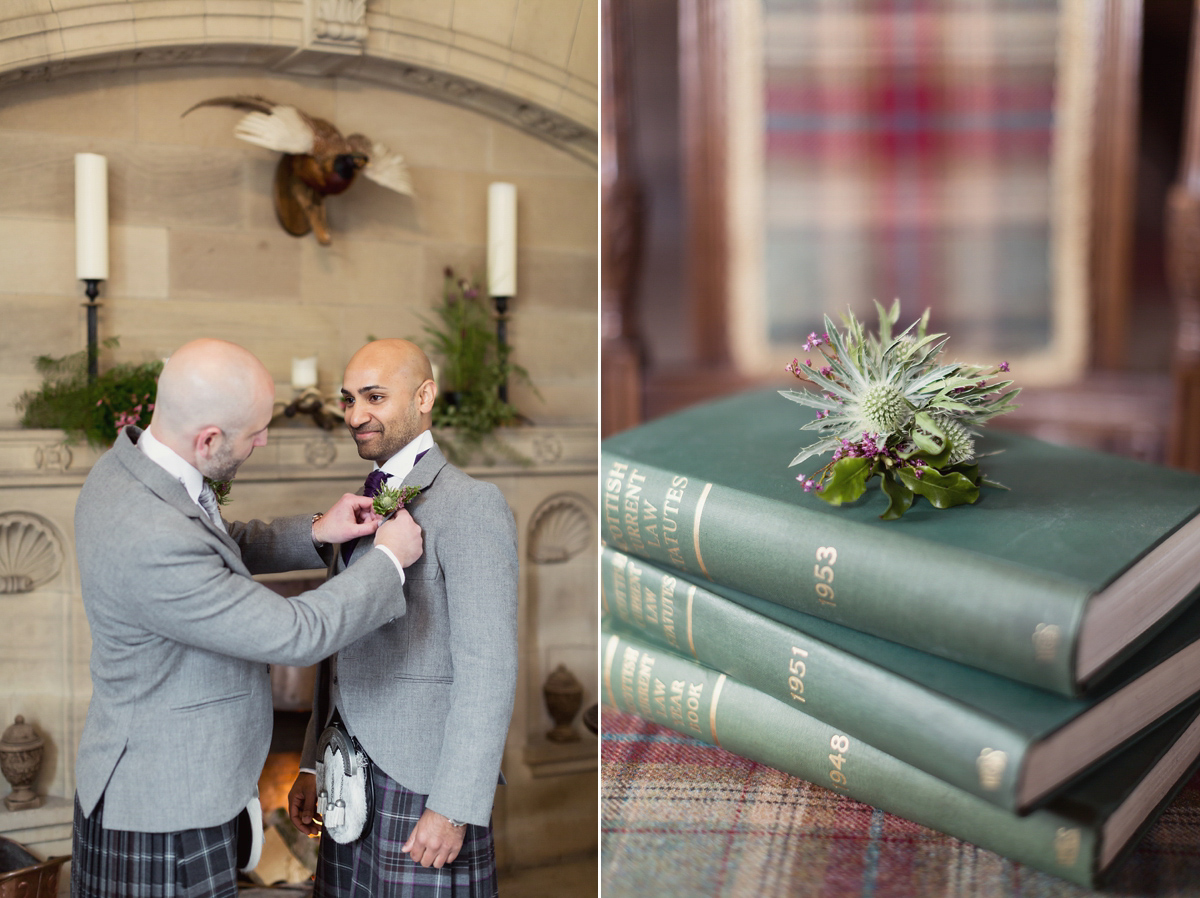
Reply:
x=374 y=867
x=112 y=863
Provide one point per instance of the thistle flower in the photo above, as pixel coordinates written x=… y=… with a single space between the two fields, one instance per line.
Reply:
x=889 y=403
x=392 y=498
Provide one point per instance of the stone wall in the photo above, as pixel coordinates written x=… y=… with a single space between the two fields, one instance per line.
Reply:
x=195 y=248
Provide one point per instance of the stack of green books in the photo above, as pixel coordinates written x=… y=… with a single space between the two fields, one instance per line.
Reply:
x=1022 y=673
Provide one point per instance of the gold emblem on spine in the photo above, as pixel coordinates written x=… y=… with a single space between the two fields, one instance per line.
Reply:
x=712 y=710
x=1046 y=638
x=691 y=599
x=696 y=528
x=991 y=764
x=1066 y=845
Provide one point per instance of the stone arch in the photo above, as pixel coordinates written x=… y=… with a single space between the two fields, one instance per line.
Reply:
x=529 y=65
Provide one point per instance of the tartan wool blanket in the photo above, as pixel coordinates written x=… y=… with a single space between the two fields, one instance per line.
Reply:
x=682 y=818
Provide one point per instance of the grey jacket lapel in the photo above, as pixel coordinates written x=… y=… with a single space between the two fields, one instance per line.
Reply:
x=162 y=484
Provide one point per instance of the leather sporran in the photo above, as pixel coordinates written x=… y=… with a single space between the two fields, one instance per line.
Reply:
x=345 y=797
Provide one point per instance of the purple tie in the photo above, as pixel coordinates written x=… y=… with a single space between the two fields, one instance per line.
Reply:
x=371 y=487
x=374 y=482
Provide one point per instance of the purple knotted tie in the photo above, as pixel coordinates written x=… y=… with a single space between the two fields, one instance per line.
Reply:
x=374 y=482
x=371 y=487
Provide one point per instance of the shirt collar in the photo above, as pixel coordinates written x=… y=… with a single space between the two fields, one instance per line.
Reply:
x=401 y=464
x=170 y=461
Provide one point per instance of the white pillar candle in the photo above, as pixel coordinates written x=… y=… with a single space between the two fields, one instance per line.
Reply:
x=304 y=373
x=502 y=239
x=91 y=217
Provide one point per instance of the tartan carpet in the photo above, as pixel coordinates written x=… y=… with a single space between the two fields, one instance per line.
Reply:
x=679 y=817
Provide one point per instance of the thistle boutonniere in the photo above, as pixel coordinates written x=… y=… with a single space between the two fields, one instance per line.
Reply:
x=390 y=499
x=888 y=406
x=221 y=489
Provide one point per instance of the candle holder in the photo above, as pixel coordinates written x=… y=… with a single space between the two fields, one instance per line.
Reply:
x=501 y=303
x=327 y=414
x=93 y=351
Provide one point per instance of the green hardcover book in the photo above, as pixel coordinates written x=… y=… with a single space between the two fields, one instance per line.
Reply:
x=1078 y=837
x=1053 y=582
x=1011 y=744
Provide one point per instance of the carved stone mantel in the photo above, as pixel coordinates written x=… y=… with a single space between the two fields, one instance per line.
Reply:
x=44 y=458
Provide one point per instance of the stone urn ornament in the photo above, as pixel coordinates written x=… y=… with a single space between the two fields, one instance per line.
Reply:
x=21 y=751
x=564 y=696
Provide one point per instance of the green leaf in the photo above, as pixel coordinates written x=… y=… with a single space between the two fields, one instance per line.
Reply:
x=942 y=490
x=934 y=461
x=969 y=470
x=927 y=435
x=847 y=481
x=951 y=405
x=900 y=497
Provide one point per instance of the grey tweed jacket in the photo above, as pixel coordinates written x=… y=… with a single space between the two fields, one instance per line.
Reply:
x=179 y=722
x=430 y=695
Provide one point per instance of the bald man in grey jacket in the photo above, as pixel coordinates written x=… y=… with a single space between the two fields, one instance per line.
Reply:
x=179 y=722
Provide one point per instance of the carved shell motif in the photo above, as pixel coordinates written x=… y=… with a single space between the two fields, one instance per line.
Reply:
x=561 y=528
x=30 y=552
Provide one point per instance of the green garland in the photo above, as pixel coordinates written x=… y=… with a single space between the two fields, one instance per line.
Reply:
x=475 y=364
x=93 y=412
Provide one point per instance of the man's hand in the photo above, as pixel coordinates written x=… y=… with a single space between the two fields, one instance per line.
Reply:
x=351 y=516
x=434 y=842
x=402 y=535
x=302 y=804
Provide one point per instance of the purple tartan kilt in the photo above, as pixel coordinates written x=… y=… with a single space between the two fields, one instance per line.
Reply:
x=375 y=867
x=113 y=863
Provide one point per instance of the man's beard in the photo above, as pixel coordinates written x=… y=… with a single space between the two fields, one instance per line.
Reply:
x=393 y=439
x=221 y=465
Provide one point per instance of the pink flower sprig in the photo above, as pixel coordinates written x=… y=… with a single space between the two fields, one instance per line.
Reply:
x=130 y=416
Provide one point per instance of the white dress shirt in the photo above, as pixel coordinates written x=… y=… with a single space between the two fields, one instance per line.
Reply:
x=170 y=461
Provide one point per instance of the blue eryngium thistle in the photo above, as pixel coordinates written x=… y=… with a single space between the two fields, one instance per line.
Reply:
x=888 y=405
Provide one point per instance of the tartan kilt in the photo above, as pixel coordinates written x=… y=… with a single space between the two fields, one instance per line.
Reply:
x=193 y=863
x=375 y=867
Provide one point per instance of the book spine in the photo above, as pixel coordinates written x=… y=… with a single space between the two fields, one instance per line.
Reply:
x=684 y=696
x=959 y=605
x=924 y=728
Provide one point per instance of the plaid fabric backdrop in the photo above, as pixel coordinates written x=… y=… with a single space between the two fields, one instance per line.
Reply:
x=908 y=151
x=681 y=818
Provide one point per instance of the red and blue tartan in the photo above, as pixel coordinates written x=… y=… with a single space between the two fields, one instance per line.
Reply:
x=111 y=863
x=683 y=819
x=374 y=867
x=907 y=152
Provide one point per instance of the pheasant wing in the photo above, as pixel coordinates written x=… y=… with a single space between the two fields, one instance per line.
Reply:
x=284 y=129
x=388 y=169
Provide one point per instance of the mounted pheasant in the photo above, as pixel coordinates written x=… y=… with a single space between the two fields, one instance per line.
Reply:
x=317 y=162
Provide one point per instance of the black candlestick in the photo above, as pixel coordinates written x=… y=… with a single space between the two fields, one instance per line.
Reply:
x=93 y=290
x=502 y=338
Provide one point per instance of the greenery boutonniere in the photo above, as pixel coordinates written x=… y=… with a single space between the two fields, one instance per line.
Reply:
x=390 y=499
x=887 y=406
x=221 y=489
